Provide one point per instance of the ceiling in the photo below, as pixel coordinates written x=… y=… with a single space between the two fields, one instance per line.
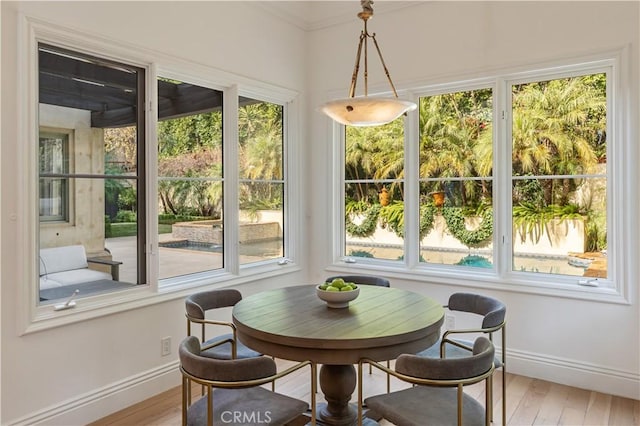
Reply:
x=315 y=14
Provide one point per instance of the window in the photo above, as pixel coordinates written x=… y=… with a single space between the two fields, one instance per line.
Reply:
x=190 y=179
x=512 y=182
x=559 y=175
x=456 y=183
x=86 y=242
x=374 y=191
x=54 y=161
x=111 y=131
x=262 y=184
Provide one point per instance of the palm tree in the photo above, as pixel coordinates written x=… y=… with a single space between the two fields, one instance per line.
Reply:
x=450 y=125
x=260 y=138
x=554 y=124
x=375 y=153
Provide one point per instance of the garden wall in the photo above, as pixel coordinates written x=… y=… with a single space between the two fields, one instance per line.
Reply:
x=557 y=238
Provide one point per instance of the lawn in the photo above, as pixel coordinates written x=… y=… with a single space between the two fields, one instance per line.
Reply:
x=128 y=229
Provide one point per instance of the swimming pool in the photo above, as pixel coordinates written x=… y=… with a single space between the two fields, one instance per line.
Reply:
x=523 y=263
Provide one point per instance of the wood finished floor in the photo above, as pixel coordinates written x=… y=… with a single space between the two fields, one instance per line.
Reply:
x=529 y=402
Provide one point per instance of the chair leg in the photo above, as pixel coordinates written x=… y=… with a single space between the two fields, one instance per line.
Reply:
x=186 y=395
x=460 y=406
x=314 y=389
x=504 y=395
x=360 y=398
x=388 y=377
x=488 y=401
x=504 y=375
x=209 y=406
x=273 y=384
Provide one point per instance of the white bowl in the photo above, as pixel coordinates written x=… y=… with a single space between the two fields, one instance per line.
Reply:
x=337 y=299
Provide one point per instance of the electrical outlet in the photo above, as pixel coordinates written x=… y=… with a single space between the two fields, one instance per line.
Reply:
x=165 y=346
x=449 y=322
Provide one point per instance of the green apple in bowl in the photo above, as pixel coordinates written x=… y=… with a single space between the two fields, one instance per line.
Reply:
x=337 y=297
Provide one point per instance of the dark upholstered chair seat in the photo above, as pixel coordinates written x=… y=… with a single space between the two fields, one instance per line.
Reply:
x=223 y=351
x=453 y=351
x=250 y=406
x=437 y=406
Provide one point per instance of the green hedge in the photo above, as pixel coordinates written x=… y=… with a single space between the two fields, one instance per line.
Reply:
x=170 y=219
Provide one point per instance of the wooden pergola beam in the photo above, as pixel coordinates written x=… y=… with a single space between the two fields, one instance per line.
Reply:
x=109 y=90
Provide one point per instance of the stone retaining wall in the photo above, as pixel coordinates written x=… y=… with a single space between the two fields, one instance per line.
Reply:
x=210 y=231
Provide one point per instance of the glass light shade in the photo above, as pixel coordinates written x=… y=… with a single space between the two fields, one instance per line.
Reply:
x=366 y=110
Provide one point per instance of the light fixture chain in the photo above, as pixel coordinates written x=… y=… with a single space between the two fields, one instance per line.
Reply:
x=356 y=67
x=366 y=59
x=386 y=71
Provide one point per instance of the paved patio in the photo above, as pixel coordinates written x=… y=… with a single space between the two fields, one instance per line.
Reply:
x=173 y=262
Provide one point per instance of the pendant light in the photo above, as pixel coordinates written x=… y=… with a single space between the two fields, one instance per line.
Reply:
x=366 y=110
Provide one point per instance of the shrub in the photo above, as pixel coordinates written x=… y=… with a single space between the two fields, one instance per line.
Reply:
x=126 y=216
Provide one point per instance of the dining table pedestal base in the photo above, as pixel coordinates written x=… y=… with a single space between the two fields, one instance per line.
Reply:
x=337 y=383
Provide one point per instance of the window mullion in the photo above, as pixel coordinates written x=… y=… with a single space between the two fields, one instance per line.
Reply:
x=151 y=155
x=412 y=190
x=502 y=176
x=338 y=160
x=231 y=204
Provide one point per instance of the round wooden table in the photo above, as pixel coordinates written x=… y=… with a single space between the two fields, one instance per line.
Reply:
x=293 y=323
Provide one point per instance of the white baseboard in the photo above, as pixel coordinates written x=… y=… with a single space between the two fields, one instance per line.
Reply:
x=99 y=403
x=574 y=373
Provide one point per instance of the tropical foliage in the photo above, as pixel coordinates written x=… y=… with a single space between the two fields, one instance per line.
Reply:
x=558 y=132
x=190 y=160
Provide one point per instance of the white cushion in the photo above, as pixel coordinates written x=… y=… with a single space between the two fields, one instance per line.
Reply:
x=58 y=259
x=78 y=276
x=46 y=282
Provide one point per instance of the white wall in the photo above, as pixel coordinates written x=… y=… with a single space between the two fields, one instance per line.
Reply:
x=582 y=343
x=77 y=373
x=74 y=374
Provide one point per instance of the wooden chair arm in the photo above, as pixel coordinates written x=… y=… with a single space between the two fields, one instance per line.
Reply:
x=114 y=264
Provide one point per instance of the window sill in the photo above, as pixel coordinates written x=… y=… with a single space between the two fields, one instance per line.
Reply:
x=45 y=317
x=569 y=289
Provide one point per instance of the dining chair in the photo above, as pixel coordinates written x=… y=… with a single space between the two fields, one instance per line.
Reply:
x=493 y=313
x=438 y=396
x=363 y=280
x=366 y=280
x=234 y=392
x=225 y=346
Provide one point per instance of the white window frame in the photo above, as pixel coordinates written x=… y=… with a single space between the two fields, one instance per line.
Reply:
x=35 y=317
x=621 y=226
x=67 y=155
